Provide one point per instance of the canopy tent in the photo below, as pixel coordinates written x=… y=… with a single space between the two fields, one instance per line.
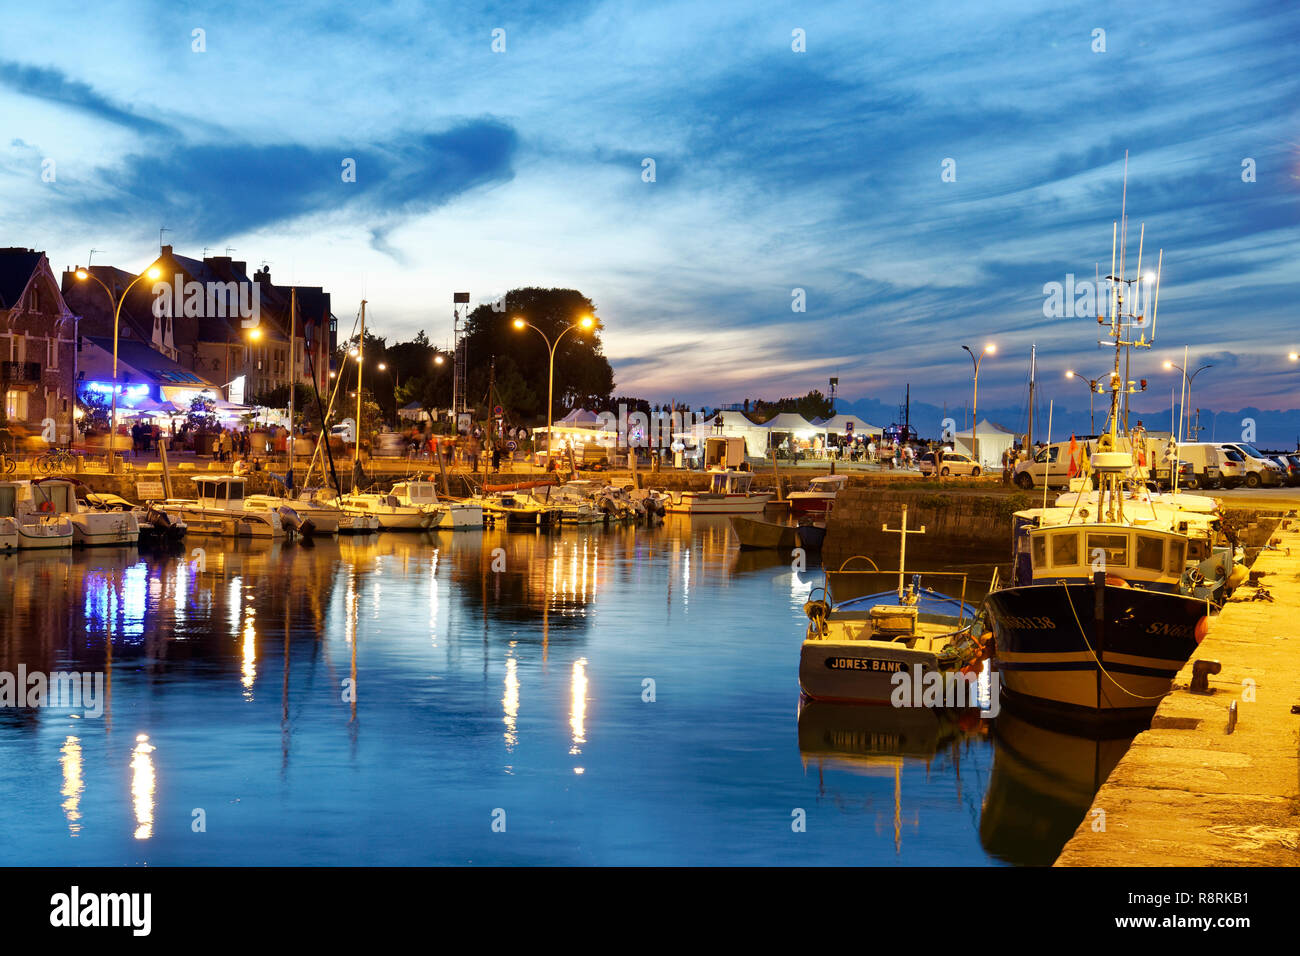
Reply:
x=582 y=418
x=839 y=425
x=993 y=441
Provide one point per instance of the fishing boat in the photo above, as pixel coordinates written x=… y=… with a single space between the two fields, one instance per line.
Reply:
x=818 y=498
x=878 y=648
x=728 y=493
x=387 y=510
x=218 y=509
x=34 y=524
x=756 y=534
x=90 y=528
x=444 y=515
x=1102 y=609
x=156 y=527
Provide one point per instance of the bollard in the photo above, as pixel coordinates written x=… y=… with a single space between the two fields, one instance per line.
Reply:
x=1201 y=671
x=1232 y=716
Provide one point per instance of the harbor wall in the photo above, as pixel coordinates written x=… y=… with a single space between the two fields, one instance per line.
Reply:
x=1197 y=788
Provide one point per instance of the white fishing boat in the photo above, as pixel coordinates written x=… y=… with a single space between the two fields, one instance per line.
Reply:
x=728 y=494
x=219 y=509
x=445 y=515
x=90 y=528
x=386 y=509
x=34 y=525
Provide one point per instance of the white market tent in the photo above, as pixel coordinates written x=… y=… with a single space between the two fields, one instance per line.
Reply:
x=838 y=425
x=993 y=441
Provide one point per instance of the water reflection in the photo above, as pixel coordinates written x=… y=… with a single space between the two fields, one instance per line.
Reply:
x=73 y=785
x=143 y=783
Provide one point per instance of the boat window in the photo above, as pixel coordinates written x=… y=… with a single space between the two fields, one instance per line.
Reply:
x=718 y=486
x=1039 y=546
x=7 y=499
x=1114 y=548
x=1150 y=552
x=1065 y=549
x=60 y=495
x=234 y=491
x=1177 y=556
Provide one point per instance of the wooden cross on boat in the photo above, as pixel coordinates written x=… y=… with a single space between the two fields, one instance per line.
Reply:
x=902 y=533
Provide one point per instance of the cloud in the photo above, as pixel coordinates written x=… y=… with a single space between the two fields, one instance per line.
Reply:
x=54 y=86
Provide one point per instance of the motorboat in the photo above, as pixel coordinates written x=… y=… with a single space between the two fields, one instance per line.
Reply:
x=728 y=493
x=893 y=646
x=293 y=516
x=446 y=515
x=818 y=497
x=324 y=509
x=33 y=524
x=756 y=534
x=156 y=526
x=90 y=528
x=218 y=509
x=521 y=511
x=388 y=510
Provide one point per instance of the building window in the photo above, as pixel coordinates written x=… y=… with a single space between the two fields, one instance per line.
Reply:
x=52 y=354
x=16 y=404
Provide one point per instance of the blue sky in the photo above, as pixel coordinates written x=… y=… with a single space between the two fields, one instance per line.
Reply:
x=775 y=170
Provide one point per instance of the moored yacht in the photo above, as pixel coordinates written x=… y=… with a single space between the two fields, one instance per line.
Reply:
x=445 y=515
x=387 y=509
x=819 y=496
x=34 y=524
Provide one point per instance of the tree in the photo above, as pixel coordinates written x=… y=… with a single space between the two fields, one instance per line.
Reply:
x=583 y=376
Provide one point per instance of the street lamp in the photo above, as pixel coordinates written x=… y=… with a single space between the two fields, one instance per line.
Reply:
x=975 y=402
x=1094 y=387
x=585 y=322
x=153 y=272
x=1187 y=383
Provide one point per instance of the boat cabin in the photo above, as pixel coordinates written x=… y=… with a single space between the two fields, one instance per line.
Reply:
x=24 y=497
x=225 y=492
x=828 y=483
x=730 y=482
x=1149 y=557
x=418 y=493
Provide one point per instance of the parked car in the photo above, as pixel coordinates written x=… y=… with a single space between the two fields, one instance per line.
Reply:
x=1259 y=468
x=1206 y=459
x=1291 y=466
x=1050 y=464
x=953 y=463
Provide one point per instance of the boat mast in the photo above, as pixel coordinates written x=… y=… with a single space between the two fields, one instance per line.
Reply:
x=361 y=354
x=1033 y=365
x=293 y=328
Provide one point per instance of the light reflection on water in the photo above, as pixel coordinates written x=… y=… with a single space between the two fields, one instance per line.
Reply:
x=372 y=700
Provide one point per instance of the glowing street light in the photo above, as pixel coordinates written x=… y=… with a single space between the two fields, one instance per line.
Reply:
x=1094 y=388
x=988 y=349
x=1187 y=384
x=153 y=272
x=586 y=322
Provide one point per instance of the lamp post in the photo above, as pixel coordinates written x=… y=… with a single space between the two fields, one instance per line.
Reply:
x=585 y=322
x=153 y=272
x=1187 y=383
x=1094 y=386
x=975 y=401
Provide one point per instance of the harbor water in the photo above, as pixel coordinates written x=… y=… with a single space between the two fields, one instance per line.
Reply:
x=604 y=696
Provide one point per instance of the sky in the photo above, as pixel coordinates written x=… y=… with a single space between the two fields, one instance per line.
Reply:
x=915 y=174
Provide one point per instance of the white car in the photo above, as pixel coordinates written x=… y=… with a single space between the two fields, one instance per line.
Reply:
x=953 y=463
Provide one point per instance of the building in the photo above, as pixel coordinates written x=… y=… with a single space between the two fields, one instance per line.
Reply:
x=38 y=348
x=210 y=317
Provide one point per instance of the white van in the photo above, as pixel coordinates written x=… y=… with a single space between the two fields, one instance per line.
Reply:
x=1205 y=457
x=1259 y=468
x=1050 y=464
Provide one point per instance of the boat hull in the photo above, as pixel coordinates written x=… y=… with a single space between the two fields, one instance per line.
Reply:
x=764 y=534
x=96 y=529
x=858 y=671
x=47 y=534
x=696 y=503
x=457 y=517
x=1111 y=655
x=803 y=503
x=227 y=524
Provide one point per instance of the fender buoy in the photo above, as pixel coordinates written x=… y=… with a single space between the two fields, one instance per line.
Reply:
x=1202 y=628
x=47 y=506
x=1116 y=581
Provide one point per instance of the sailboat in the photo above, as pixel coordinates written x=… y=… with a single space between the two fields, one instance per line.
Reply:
x=1101 y=612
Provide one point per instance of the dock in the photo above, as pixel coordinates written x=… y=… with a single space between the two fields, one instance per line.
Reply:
x=1193 y=792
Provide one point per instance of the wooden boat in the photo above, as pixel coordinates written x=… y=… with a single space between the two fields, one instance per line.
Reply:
x=886 y=647
x=34 y=525
x=728 y=493
x=755 y=533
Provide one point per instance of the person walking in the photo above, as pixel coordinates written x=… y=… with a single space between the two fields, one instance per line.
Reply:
x=1008 y=456
x=496 y=457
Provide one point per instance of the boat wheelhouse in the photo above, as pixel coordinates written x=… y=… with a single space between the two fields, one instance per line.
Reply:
x=218 y=509
x=819 y=497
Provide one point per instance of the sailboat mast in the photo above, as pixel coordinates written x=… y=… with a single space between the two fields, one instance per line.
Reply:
x=293 y=330
x=1033 y=366
x=361 y=354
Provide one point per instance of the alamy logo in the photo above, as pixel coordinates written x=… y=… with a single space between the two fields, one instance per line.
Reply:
x=639 y=430
x=72 y=690
x=74 y=908
x=954 y=690
x=1085 y=299
x=212 y=300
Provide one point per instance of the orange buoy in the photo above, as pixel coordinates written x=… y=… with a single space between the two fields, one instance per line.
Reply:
x=1202 y=628
x=1115 y=581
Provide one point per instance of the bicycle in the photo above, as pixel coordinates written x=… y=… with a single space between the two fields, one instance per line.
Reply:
x=56 y=461
x=7 y=465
